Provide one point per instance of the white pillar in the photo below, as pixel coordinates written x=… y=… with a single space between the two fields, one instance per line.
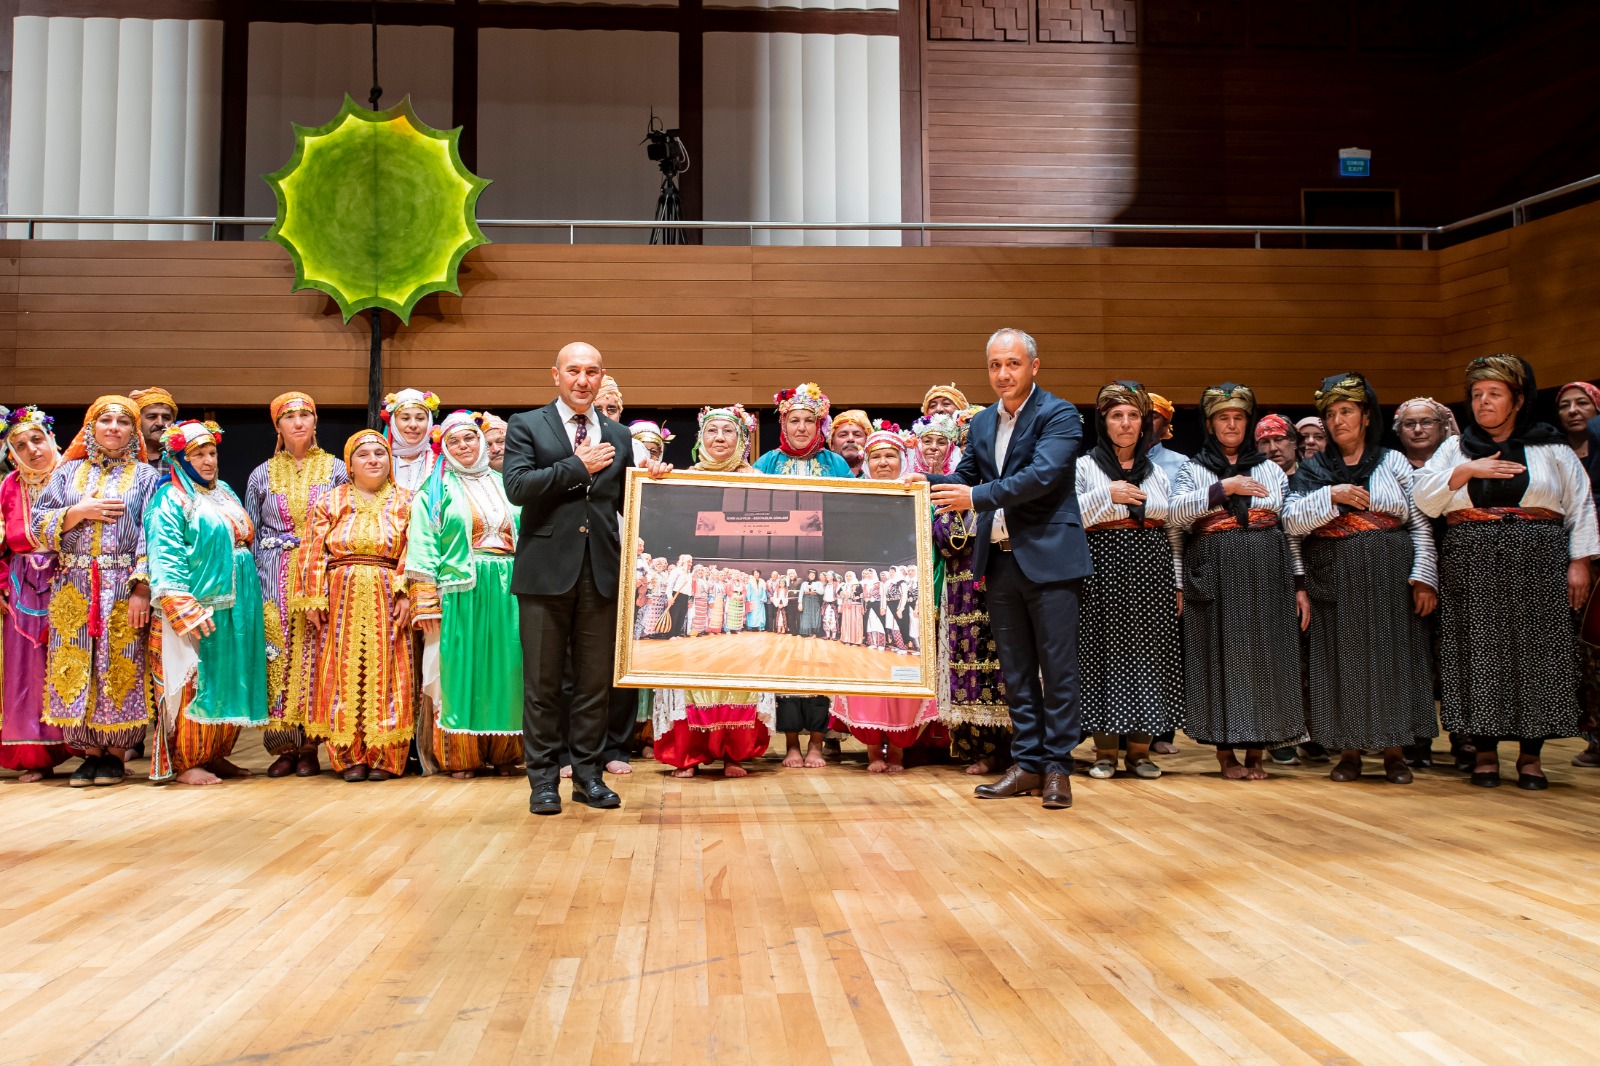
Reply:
x=169 y=76
x=202 y=132
x=29 y=89
x=883 y=111
x=817 y=118
x=98 y=140
x=852 y=139
x=63 y=111
x=131 y=161
x=787 y=136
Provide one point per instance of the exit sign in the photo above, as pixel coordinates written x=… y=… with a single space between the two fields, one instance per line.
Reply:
x=1355 y=163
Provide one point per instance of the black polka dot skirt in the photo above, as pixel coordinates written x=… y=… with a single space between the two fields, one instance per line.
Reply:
x=1371 y=667
x=1241 y=641
x=1130 y=659
x=1508 y=648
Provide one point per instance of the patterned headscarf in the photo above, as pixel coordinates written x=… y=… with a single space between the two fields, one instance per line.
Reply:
x=949 y=392
x=855 y=417
x=1328 y=467
x=83 y=444
x=1163 y=407
x=457 y=420
x=1310 y=420
x=143 y=398
x=808 y=396
x=645 y=431
x=885 y=435
x=609 y=387
x=24 y=418
x=1477 y=444
x=286 y=403
x=177 y=439
x=1434 y=408
x=934 y=426
x=392 y=403
x=964 y=420
x=1591 y=391
x=365 y=436
x=1230 y=397
x=493 y=421
x=1274 y=425
x=741 y=421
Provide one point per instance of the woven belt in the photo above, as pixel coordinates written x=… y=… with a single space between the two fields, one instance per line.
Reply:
x=1126 y=523
x=361 y=560
x=1223 y=521
x=1502 y=514
x=283 y=543
x=83 y=562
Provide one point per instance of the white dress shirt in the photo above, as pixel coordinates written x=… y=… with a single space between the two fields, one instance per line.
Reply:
x=567 y=424
x=1006 y=424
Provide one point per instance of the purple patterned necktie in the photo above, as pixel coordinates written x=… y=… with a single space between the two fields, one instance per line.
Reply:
x=580 y=433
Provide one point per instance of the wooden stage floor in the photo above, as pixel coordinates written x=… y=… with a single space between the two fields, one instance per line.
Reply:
x=769 y=654
x=804 y=916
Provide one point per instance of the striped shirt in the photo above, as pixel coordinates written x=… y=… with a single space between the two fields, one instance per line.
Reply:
x=1094 y=504
x=1390 y=490
x=1191 y=498
x=1557 y=481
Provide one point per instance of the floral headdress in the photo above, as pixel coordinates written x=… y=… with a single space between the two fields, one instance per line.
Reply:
x=743 y=421
x=181 y=436
x=645 y=431
x=808 y=396
x=392 y=403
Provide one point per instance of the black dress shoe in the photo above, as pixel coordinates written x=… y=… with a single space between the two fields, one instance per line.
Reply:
x=1533 y=782
x=1015 y=782
x=1057 y=791
x=83 y=776
x=1486 y=778
x=546 y=799
x=593 y=792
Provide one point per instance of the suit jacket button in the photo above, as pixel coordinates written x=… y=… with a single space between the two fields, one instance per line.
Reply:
x=583 y=529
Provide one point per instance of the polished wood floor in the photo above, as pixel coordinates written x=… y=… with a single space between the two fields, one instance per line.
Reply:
x=803 y=917
x=769 y=654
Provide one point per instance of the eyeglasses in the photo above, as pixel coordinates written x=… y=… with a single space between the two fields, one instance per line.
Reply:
x=1419 y=423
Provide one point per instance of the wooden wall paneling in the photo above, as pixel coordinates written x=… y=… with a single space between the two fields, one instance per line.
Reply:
x=9 y=265
x=1088 y=21
x=979 y=20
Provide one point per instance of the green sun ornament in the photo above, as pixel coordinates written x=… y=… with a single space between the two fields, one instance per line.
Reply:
x=376 y=209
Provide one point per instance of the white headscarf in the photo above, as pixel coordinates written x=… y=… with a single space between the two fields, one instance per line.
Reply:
x=487 y=497
x=397 y=443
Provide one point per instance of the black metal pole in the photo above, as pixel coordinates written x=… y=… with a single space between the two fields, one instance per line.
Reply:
x=375 y=373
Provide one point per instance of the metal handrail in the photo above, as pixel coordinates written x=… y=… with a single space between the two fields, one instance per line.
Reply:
x=1517 y=211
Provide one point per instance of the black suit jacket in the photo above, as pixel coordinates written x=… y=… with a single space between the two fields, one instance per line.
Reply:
x=1037 y=488
x=563 y=508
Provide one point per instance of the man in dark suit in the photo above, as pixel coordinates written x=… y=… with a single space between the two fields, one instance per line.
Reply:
x=1019 y=474
x=565 y=466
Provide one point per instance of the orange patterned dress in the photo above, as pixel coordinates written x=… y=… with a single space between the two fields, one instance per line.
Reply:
x=353 y=569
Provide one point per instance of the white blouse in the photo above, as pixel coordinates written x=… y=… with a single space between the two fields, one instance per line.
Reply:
x=1095 y=505
x=1556 y=482
x=411 y=473
x=1191 y=498
x=1390 y=490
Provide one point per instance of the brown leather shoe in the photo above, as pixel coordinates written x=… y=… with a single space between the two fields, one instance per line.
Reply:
x=1057 y=791
x=1396 y=772
x=307 y=765
x=358 y=772
x=1347 y=770
x=1016 y=782
x=283 y=765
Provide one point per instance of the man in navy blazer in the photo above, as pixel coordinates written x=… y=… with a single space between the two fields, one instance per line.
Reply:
x=1019 y=475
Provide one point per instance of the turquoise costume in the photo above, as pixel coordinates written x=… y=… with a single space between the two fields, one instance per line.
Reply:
x=821 y=464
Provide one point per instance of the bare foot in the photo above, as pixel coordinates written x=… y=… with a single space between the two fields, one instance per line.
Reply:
x=876 y=763
x=687 y=771
x=814 y=759
x=1231 y=768
x=1252 y=765
x=510 y=769
x=794 y=760
x=979 y=768
x=28 y=777
x=617 y=766
x=198 y=776
x=463 y=775
x=566 y=771
x=733 y=769
x=896 y=760
x=1164 y=747
x=225 y=769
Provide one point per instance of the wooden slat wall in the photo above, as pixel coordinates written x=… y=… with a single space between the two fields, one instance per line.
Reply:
x=687 y=326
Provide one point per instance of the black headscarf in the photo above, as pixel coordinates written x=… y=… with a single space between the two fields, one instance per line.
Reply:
x=1327 y=467
x=1210 y=455
x=1105 y=453
x=1477 y=444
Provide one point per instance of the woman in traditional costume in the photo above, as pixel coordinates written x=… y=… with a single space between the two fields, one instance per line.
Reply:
x=1371 y=572
x=279 y=498
x=211 y=678
x=461 y=544
x=1515 y=564
x=1242 y=609
x=852 y=614
x=354 y=568
x=888 y=725
x=1132 y=661
x=755 y=602
x=91 y=515
x=653 y=435
x=27 y=743
x=701 y=725
x=408 y=417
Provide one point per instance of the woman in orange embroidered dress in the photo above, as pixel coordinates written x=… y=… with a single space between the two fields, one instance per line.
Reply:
x=354 y=576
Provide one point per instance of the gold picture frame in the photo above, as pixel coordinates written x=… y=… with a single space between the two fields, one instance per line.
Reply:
x=763 y=660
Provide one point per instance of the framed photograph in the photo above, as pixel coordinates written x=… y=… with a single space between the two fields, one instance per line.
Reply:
x=777 y=584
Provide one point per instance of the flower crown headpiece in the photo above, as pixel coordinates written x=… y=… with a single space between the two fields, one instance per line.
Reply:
x=396 y=400
x=181 y=436
x=29 y=416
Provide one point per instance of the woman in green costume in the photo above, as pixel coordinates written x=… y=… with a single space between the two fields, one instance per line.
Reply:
x=463 y=539
x=211 y=677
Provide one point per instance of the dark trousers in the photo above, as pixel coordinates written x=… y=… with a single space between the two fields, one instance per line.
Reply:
x=583 y=620
x=1036 y=632
x=678 y=611
x=622 y=720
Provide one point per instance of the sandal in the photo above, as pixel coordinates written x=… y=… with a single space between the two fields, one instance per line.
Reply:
x=1143 y=767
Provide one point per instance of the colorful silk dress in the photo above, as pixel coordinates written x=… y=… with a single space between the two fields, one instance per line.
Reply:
x=458 y=567
x=279 y=499
x=755 y=604
x=353 y=566
x=852 y=615
x=96 y=672
x=27 y=742
x=979 y=717
x=733 y=613
x=201 y=567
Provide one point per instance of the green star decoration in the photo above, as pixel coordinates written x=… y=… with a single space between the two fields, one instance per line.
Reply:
x=376 y=209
